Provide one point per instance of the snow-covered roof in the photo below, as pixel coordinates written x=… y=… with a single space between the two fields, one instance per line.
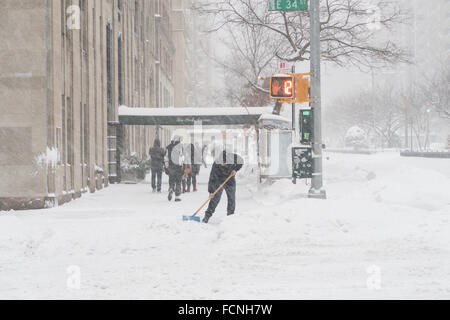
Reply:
x=274 y=121
x=274 y=117
x=187 y=116
x=126 y=111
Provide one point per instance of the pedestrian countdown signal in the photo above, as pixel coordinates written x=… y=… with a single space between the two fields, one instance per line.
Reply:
x=282 y=87
x=291 y=87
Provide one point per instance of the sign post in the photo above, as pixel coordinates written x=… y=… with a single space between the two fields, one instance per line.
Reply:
x=315 y=99
x=293 y=109
x=316 y=190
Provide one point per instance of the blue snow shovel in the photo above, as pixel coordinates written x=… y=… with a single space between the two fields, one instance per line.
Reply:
x=194 y=217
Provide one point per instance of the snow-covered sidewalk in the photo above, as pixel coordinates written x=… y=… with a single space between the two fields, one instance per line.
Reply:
x=384 y=232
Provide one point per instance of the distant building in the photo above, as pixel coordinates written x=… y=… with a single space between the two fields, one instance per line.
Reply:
x=65 y=67
x=193 y=72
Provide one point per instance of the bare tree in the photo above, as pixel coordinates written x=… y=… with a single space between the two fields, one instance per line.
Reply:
x=419 y=123
x=349 y=29
x=436 y=91
x=251 y=56
x=388 y=114
x=378 y=111
x=239 y=92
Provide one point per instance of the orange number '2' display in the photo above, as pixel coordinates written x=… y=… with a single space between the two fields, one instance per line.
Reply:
x=288 y=85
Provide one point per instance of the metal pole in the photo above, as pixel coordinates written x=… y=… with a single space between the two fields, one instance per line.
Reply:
x=406 y=122
x=316 y=190
x=293 y=109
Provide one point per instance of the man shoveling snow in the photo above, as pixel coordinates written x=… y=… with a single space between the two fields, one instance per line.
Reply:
x=226 y=164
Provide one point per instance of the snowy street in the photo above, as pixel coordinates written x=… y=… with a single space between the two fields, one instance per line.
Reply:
x=383 y=233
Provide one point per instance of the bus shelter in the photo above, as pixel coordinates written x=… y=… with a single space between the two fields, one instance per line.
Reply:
x=270 y=160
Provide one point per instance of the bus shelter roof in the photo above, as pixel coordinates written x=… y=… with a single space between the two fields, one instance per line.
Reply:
x=189 y=116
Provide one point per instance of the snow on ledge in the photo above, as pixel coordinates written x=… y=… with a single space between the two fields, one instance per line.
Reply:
x=274 y=117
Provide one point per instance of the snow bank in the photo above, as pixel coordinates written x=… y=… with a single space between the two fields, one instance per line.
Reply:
x=383 y=211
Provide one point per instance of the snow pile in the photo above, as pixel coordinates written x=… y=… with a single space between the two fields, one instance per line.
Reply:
x=49 y=159
x=383 y=213
x=438 y=146
x=404 y=191
x=356 y=137
x=386 y=178
x=98 y=169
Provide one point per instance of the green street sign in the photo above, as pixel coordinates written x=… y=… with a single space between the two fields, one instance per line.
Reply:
x=288 y=5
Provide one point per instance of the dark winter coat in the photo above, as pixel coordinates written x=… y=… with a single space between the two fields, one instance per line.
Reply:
x=175 y=154
x=222 y=168
x=157 y=154
x=192 y=158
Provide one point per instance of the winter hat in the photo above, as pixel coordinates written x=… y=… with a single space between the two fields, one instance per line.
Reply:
x=176 y=138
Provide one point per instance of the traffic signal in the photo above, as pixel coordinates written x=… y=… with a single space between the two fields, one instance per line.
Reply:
x=306 y=126
x=282 y=87
x=302 y=91
x=292 y=87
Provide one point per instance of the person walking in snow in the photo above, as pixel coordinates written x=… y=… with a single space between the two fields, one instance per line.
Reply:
x=204 y=155
x=157 y=155
x=175 y=168
x=186 y=168
x=226 y=164
x=186 y=172
x=193 y=158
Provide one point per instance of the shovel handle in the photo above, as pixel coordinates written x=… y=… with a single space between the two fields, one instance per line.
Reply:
x=214 y=194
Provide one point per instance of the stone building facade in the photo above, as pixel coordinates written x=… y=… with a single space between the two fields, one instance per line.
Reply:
x=65 y=68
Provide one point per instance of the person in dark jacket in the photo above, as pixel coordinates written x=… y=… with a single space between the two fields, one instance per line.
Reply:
x=193 y=159
x=175 y=169
x=157 y=155
x=226 y=164
x=186 y=167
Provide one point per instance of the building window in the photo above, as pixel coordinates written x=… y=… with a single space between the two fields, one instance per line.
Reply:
x=70 y=154
x=108 y=67
x=152 y=88
x=63 y=17
x=85 y=30
x=120 y=70
x=136 y=16
x=64 y=140
x=58 y=143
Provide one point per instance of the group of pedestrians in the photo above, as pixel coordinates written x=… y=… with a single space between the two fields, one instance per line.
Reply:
x=182 y=163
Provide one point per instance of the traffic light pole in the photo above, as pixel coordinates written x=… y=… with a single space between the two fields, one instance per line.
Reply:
x=316 y=190
x=293 y=109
